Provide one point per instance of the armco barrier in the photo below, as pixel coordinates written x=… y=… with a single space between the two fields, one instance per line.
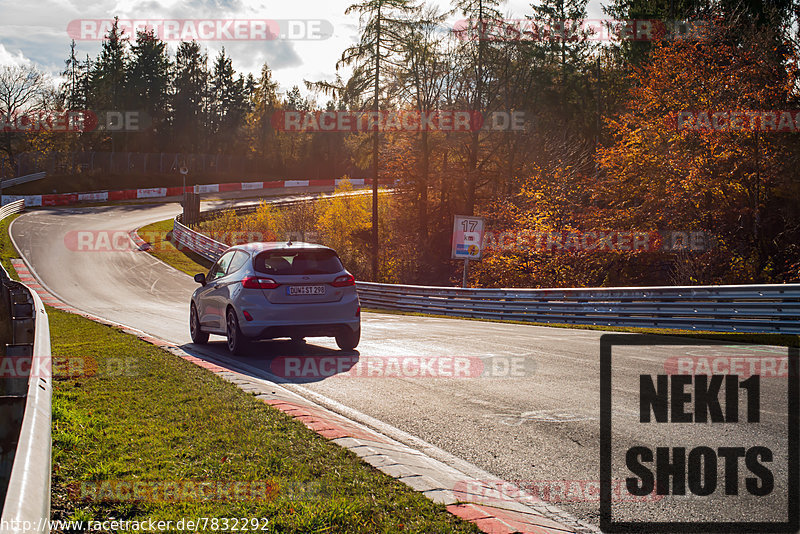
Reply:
x=27 y=403
x=11 y=182
x=210 y=249
x=196 y=242
x=745 y=308
x=12 y=208
x=28 y=496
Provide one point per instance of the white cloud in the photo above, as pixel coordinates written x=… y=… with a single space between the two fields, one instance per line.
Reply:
x=8 y=58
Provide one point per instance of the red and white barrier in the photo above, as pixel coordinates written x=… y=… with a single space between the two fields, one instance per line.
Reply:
x=65 y=199
x=93 y=197
x=30 y=200
x=153 y=192
x=207 y=188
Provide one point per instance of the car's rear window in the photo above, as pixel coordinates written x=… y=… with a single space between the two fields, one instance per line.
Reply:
x=300 y=261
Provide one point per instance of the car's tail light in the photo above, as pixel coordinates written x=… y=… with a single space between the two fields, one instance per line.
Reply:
x=255 y=282
x=247 y=315
x=358 y=311
x=344 y=281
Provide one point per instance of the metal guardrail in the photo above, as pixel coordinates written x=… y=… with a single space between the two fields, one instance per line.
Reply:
x=27 y=502
x=12 y=208
x=209 y=248
x=196 y=242
x=26 y=403
x=27 y=495
x=743 y=308
x=11 y=182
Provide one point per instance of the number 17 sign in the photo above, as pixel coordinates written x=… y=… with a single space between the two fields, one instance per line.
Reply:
x=468 y=237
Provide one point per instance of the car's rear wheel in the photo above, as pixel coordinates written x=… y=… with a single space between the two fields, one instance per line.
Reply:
x=237 y=342
x=198 y=336
x=347 y=339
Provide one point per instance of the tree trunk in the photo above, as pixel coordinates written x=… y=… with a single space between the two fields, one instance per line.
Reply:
x=472 y=171
x=375 y=152
x=422 y=190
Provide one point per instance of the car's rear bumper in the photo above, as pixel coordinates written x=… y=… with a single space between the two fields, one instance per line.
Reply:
x=269 y=320
x=301 y=330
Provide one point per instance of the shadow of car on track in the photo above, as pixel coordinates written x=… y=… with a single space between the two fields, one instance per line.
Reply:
x=281 y=361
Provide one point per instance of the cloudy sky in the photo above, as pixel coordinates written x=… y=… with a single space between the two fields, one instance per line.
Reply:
x=37 y=31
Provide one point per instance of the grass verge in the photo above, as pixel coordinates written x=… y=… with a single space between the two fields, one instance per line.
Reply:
x=147 y=415
x=6 y=253
x=7 y=250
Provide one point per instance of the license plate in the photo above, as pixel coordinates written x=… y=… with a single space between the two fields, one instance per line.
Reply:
x=305 y=290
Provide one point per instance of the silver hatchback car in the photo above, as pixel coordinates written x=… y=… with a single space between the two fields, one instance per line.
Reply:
x=271 y=290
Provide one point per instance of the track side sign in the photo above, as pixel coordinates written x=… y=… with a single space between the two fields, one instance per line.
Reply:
x=468 y=237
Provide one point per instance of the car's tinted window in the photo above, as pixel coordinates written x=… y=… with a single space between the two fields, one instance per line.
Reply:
x=239 y=259
x=308 y=261
x=219 y=268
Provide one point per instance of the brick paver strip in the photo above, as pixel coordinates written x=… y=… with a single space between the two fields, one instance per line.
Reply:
x=497 y=520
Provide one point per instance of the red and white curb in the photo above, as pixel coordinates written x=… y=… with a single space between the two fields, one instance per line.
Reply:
x=27 y=278
x=138 y=241
x=434 y=478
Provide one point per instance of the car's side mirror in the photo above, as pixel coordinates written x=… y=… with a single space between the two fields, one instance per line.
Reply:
x=200 y=278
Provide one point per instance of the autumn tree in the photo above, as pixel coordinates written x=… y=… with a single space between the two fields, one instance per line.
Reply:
x=733 y=182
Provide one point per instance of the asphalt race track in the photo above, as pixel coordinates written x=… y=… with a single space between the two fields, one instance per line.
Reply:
x=525 y=409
